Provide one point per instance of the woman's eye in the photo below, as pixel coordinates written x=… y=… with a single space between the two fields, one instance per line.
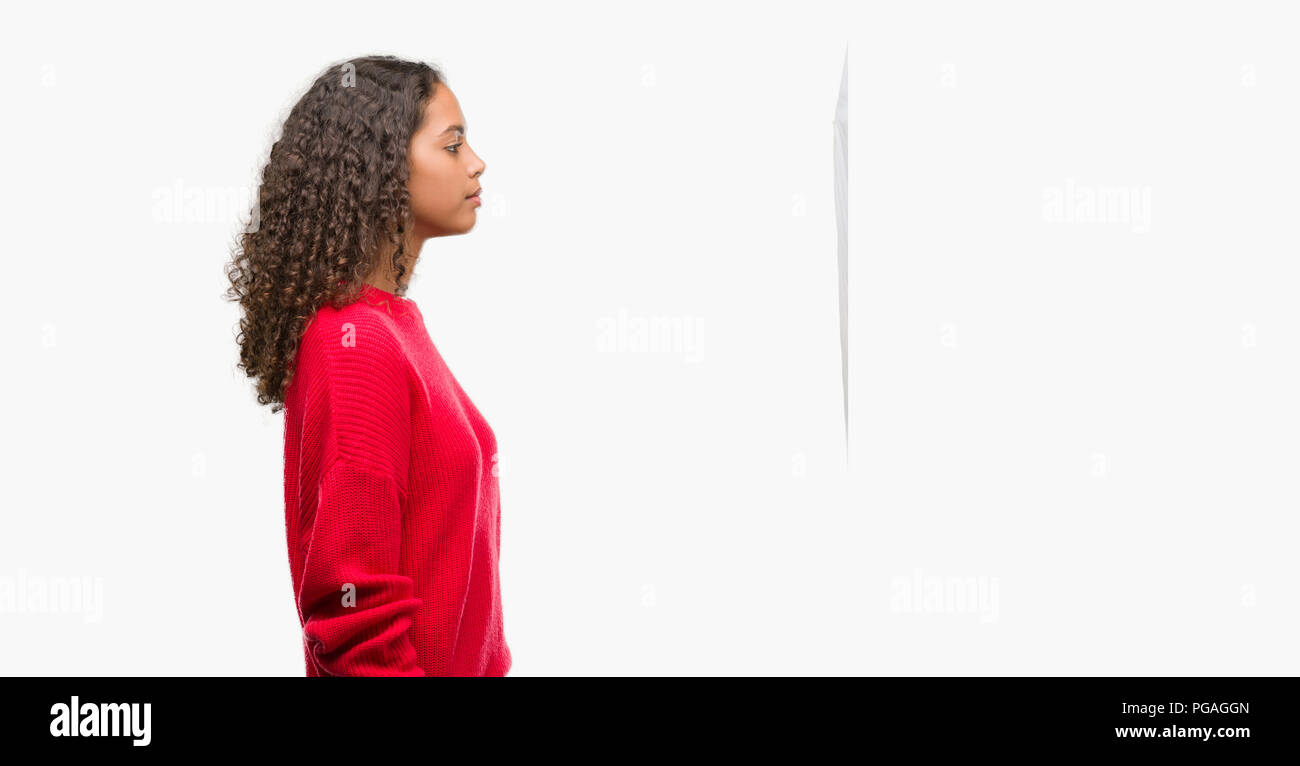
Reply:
x=452 y=148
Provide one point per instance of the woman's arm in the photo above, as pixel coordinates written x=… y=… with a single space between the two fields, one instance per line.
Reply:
x=356 y=606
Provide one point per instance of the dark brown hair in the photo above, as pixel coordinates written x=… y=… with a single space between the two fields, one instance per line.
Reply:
x=331 y=200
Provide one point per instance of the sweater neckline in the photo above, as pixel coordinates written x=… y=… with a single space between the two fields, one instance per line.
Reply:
x=366 y=287
x=376 y=293
x=379 y=297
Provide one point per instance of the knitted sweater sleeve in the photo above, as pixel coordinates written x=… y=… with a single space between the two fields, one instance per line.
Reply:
x=356 y=606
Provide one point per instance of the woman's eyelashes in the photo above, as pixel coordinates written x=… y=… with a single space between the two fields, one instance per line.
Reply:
x=452 y=148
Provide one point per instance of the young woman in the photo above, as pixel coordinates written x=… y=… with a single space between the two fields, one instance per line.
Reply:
x=391 y=504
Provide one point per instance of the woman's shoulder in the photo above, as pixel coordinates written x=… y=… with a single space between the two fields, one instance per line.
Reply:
x=359 y=385
x=359 y=338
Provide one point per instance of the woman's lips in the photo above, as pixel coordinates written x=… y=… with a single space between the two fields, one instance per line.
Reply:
x=475 y=200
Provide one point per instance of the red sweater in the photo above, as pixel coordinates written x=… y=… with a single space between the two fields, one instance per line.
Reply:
x=391 y=504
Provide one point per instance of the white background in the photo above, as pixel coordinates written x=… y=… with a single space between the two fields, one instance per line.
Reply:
x=1095 y=424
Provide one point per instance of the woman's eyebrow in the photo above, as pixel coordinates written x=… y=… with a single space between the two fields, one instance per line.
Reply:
x=454 y=129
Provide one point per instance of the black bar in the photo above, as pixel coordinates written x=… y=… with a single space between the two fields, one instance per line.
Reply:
x=921 y=715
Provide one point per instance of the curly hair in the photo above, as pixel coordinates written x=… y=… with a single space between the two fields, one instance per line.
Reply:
x=332 y=198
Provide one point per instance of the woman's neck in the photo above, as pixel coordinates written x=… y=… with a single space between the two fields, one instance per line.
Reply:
x=384 y=276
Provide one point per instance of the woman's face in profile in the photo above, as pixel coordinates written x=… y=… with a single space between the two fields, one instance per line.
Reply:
x=444 y=170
